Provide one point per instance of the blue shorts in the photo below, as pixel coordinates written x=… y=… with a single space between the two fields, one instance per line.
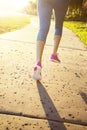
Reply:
x=45 y=8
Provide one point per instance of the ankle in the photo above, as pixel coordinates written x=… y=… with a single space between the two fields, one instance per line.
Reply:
x=54 y=54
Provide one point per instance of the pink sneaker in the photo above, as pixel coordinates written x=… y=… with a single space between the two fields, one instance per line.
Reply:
x=54 y=58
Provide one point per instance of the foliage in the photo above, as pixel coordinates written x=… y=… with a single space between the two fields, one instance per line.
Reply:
x=76 y=11
x=75 y=4
x=31 y=8
x=79 y=28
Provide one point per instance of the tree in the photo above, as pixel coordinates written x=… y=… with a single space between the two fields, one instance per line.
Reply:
x=75 y=10
x=31 y=8
x=76 y=3
x=85 y=5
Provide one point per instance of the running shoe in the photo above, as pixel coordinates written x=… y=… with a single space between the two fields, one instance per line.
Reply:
x=37 y=73
x=55 y=58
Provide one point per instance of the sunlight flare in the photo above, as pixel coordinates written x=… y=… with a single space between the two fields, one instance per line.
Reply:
x=12 y=5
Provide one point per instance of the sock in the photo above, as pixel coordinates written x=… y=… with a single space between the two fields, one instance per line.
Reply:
x=39 y=63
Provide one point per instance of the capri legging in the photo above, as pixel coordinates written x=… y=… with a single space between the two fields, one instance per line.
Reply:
x=45 y=8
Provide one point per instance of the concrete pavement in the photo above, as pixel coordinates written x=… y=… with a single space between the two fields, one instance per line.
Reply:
x=59 y=100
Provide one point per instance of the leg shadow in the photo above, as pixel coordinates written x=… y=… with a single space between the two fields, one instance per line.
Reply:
x=84 y=96
x=54 y=119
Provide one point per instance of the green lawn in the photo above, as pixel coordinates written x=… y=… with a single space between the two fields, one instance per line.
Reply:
x=79 y=28
x=13 y=22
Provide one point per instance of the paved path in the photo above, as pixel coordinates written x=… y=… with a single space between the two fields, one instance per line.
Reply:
x=59 y=101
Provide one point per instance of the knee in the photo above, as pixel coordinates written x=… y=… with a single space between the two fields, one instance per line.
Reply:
x=42 y=34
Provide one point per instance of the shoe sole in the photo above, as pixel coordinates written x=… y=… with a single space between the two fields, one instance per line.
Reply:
x=54 y=61
x=35 y=77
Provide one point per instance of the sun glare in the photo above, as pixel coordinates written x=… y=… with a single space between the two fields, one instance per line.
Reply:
x=12 y=5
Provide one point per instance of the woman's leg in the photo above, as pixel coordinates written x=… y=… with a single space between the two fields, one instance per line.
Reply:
x=57 y=39
x=60 y=9
x=39 y=51
x=44 y=12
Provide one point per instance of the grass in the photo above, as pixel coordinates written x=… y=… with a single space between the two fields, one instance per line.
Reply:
x=10 y=23
x=79 y=28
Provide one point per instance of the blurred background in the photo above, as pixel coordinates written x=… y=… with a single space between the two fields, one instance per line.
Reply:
x=76 y=17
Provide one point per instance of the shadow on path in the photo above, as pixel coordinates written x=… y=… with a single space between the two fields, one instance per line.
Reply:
x=84 y=96
x=54 y=119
